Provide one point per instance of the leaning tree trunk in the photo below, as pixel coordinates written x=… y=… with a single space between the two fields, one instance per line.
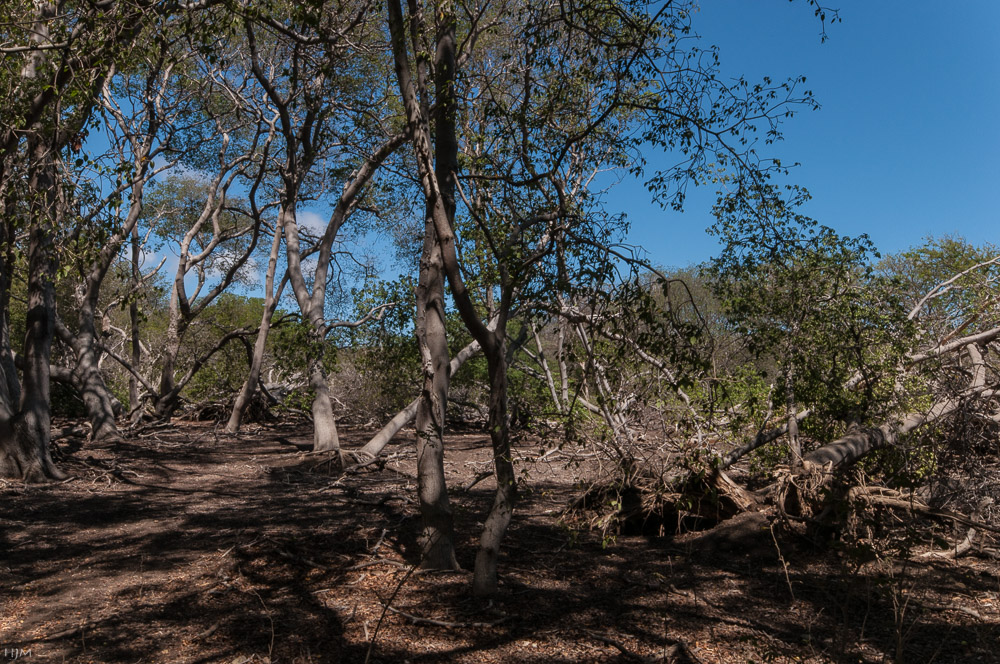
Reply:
x=484 y=581
x=804 y=492
x=249 y=388
x=260 y=345
x=377 y=443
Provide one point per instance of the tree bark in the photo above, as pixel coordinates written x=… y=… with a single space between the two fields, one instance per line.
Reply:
x=24 y=439
x=10 y=386
x=325 y=436
x=437 y=539
x=484 y=581
x=794 y=446
x=134 y=402
x=97 y=398
x=87 y=379
x=378 y=442
x=850 y=448
x=167 y=399
x=257 y=361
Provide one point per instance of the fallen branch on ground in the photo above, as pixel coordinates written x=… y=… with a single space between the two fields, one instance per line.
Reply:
x=443 y=623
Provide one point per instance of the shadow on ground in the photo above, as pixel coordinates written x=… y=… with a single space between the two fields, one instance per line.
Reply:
x=188 y=546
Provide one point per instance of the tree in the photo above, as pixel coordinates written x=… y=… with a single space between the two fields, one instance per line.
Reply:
x=310 y=76
x=576 y=80
x=138 y=112
x=62 y=55
x=802 y=297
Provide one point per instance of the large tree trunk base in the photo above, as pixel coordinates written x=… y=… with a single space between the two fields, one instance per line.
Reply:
x=438 y=552
x=23 y=458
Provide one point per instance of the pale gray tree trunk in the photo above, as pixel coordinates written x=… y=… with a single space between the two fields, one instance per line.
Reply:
x=794 y=446
x=325 y=436
x=260 y=345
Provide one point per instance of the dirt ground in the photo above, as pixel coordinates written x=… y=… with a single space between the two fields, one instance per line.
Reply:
x=185 y=545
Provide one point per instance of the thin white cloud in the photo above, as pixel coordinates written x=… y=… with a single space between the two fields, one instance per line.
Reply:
x=310 y=221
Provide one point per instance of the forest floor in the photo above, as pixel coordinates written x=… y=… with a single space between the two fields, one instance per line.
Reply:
x=185 y=545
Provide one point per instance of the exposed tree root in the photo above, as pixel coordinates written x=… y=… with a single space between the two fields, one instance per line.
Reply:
x=646 y=506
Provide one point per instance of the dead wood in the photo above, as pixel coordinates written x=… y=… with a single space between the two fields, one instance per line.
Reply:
x=898 y=500
x=419 y=620
x=647 y=505
x=741 y=499
x=960 y=549
x=761 y=439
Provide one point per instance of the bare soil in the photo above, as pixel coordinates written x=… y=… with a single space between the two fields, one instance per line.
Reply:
x=185 y=545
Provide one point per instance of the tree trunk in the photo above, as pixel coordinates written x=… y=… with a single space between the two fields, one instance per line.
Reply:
x=10 y=386
x=24 y=439
x=484 y=581
x=378 y=442
x=86 y=375
x=437 y=539
x=166 y=403
x=260 y=345
x=850 y=448
x=253 y=376
x=94 y=391
x=804 y=492
x=134 y=403
x=794 y=445
x=437 y=163
x=325 y=438
x=167 y=399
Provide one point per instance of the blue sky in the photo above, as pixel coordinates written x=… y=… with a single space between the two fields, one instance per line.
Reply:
x=907 y=142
